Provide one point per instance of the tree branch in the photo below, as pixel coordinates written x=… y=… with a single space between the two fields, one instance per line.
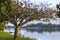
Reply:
x=11 y=20
x=20 y=22
x=23 y=23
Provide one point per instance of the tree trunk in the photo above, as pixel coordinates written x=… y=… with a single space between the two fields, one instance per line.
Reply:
x=16 y=33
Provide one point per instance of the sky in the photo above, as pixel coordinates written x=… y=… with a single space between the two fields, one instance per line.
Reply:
x=53 y=2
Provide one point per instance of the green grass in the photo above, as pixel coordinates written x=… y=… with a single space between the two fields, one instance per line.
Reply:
x=7 y=36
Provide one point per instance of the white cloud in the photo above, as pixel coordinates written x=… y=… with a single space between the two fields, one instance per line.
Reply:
x=53 y=2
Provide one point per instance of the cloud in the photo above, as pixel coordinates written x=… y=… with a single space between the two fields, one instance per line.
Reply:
x=53 y=2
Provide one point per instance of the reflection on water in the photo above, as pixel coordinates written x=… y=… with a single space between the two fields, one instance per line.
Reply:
x=38 y=35
x=41 y=36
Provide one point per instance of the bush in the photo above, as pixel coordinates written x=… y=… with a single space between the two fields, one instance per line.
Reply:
x=2 y=26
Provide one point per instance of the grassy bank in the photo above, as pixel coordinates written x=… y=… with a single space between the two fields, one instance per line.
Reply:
x=7 y=36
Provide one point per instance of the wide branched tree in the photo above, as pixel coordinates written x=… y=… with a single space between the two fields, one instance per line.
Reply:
x=19 y=13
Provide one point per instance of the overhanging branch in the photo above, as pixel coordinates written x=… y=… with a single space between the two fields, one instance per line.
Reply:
x=20 y=22
x=10 y=19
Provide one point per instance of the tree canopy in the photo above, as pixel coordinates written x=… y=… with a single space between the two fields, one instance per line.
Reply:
x=58 y=7
x=19 y=13
x=4 y=4
x=13 y=10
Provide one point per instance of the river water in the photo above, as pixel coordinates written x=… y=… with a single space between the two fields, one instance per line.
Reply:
x=38 y=35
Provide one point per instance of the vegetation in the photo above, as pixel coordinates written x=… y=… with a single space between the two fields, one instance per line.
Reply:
x=15 y=12
x=2 y=26
x=58 y=7
x=42 y=27
x=8 y=36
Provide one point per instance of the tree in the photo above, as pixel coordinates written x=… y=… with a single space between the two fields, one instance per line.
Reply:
x=19 y=13
x=58 y=7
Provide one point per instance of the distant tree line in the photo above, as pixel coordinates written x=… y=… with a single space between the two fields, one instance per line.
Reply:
x=43 y=27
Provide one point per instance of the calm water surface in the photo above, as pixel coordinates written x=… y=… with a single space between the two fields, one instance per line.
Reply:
x=38 y=35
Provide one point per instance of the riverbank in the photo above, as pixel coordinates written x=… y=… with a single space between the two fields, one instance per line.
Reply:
x=8 y=36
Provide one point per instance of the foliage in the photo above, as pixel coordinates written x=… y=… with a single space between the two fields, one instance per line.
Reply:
x=42 y=27
x=19 y=13
x=23 y=13
x=2 y=26
x=58 y=7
